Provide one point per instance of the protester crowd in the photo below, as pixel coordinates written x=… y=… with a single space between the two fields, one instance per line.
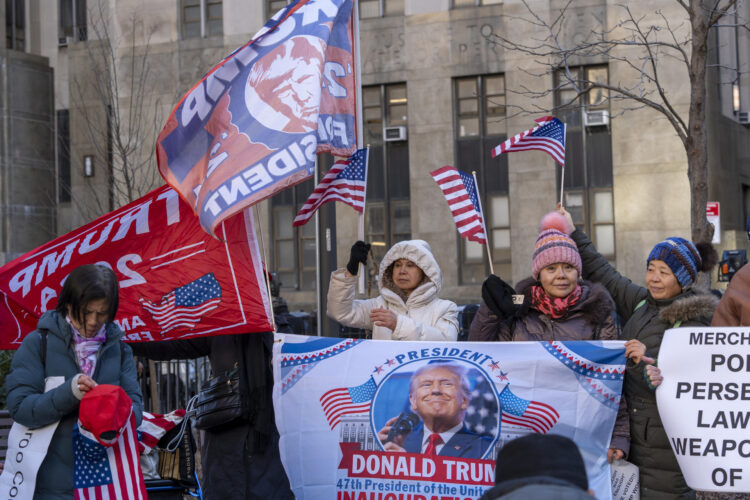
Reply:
x=573 y=293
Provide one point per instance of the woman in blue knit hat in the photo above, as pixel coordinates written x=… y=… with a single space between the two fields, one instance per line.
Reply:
x=669 y=299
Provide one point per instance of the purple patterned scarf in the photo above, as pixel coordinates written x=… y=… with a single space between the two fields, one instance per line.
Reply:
x=87 y=348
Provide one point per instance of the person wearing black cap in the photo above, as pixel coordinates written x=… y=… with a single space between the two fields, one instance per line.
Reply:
x=539 y=466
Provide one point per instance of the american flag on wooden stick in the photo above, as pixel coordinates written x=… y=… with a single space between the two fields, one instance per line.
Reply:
x=548 y=136
x=346 y=181
x=461 y=193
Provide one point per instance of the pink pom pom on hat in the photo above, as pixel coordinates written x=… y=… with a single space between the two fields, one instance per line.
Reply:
x=554 y=245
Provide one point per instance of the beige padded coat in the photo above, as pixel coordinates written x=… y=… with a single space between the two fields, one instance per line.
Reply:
x=422 y=316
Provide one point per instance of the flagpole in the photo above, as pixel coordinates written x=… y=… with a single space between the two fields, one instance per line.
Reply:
x=360 y=132
x=265 y=260
x=484 y=227
x=562 y=174
x=318 y=283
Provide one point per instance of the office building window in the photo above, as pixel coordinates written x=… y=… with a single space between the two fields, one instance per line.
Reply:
x=588 y=155
x=293 y=248
x=15 y=22
x=479 y=104
x=380 y=8
x=388 y=213
x=63 y=156
x=474 y=3
x=273 y=6
x=73 y=20
x=201 y=18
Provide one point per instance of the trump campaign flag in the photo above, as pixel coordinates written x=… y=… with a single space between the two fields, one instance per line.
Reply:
x=175 y=280
x=346 y=182
x=253 y=125
x=366 y=408
x=460 y=192
x=548 y=136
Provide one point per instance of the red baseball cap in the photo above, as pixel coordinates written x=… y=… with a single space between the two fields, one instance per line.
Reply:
x=105 y=411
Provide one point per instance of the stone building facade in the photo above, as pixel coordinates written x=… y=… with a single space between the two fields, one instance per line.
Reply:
x=432 y=73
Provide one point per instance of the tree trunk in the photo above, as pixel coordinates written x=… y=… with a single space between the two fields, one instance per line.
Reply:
x=696 y=140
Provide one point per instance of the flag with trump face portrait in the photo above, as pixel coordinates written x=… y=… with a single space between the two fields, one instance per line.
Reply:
x=253 y=125
x=367 y=411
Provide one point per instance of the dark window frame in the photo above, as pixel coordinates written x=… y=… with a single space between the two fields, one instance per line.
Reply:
x=491 y=185
x=203 y=22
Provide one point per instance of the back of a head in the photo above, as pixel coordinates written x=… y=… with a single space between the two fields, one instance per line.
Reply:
x=536 y=455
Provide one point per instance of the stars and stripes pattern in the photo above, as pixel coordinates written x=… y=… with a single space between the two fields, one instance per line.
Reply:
x=347 y=401
x=548 y=136
x=107 y=473
x=346 y=182
x=460 y=192
x=186 y=305
x=539 y=417
x=154 y=426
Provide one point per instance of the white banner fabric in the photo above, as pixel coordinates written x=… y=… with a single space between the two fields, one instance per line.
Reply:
x=703 y=404
x=26 y=451
x=333 y=398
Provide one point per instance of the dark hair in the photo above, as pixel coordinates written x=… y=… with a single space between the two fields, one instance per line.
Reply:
x=86 y=284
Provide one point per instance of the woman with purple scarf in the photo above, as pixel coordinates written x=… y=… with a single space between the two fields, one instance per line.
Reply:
x=79 y=342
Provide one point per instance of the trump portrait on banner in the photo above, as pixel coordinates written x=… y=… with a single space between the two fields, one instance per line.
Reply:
x=439 y=395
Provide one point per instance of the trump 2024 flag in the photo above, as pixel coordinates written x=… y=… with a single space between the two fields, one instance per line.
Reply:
x=253 y=125
x=355 y=416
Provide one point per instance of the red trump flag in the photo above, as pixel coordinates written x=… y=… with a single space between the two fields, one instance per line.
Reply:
x=175 y=280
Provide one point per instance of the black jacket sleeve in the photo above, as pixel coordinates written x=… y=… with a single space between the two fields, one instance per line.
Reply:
x=172 y=349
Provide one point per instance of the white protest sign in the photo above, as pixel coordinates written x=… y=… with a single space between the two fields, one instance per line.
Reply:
x=704 y=404
x=26 y=451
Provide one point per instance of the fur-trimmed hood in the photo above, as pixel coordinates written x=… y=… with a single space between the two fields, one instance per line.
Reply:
x=695 y=304
x=417 y=251
x=595 y=303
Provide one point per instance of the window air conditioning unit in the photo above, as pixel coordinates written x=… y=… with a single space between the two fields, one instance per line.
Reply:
x=63 y=41
x=599 y=118
x=394 y=134
x=743 y=117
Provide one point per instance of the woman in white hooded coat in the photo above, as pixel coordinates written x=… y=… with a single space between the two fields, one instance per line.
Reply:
x=408 y=307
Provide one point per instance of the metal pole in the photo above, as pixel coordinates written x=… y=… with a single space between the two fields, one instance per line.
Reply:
x=484 y=226
x=562 y=174
x=360 y=125
x=265 y=260
x=318 y=284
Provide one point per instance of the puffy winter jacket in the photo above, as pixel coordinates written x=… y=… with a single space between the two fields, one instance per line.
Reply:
x=734 y=306
x=421 y=315
x=591 y=318
x=31 y=406
x=646 y=319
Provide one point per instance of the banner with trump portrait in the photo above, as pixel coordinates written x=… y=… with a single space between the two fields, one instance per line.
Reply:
x=387 y=420
x=254 y=124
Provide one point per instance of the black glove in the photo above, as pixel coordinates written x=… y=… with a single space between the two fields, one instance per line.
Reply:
x=358 y=254
x=498 y=295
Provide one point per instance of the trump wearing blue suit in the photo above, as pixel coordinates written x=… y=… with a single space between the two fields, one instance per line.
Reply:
x=439 y=394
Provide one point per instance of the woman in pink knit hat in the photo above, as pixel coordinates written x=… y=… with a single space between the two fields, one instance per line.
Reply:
x=557 y=305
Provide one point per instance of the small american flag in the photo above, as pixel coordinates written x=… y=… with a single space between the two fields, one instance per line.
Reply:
x=347 y=401
x=107 y=472
x=539 y=417
x=548 y=136
x=154 y=426
x=186 y=305
x=346 y=181
x=461 y=193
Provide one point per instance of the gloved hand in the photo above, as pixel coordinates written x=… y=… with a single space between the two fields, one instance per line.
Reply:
x=357 y=255
x=498 y=295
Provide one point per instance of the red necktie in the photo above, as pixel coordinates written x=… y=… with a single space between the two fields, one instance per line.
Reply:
x=435 y=440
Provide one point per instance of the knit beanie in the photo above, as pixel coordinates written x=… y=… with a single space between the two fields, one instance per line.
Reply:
x=681 y=256
x=536 y=455
x=553 y=245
